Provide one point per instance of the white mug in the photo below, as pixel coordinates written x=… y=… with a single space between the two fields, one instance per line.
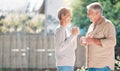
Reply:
x=84 y=40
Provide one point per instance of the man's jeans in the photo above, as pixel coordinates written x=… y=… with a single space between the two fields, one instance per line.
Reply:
x=99 y=69
x=65 y=68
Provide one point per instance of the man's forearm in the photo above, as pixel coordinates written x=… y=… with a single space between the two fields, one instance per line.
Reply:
x=97 y=42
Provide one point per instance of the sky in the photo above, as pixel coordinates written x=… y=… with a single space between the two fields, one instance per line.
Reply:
x=19 y=4
x=11 y=4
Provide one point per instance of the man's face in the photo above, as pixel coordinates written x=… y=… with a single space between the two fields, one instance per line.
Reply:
x=92 y=14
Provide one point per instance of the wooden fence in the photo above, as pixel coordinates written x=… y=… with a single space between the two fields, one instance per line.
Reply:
x=31 y=51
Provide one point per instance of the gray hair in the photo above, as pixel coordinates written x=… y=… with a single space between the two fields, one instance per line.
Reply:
x=95 y=6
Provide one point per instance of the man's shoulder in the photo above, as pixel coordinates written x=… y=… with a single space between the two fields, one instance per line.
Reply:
x=107 y=22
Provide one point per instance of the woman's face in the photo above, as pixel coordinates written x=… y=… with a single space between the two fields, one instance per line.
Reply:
x=67 y=18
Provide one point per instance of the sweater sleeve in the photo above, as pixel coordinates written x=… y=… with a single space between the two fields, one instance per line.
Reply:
x=61 y=41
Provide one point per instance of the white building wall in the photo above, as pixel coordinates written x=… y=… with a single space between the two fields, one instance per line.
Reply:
x=53 y=6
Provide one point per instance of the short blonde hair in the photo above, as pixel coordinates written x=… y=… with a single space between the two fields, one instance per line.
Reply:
x=95 y=6
x=63 y=11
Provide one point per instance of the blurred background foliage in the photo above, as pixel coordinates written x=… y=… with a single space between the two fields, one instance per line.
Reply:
x=21 y=23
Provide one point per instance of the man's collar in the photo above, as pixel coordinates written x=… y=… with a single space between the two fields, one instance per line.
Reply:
x=100 y=20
